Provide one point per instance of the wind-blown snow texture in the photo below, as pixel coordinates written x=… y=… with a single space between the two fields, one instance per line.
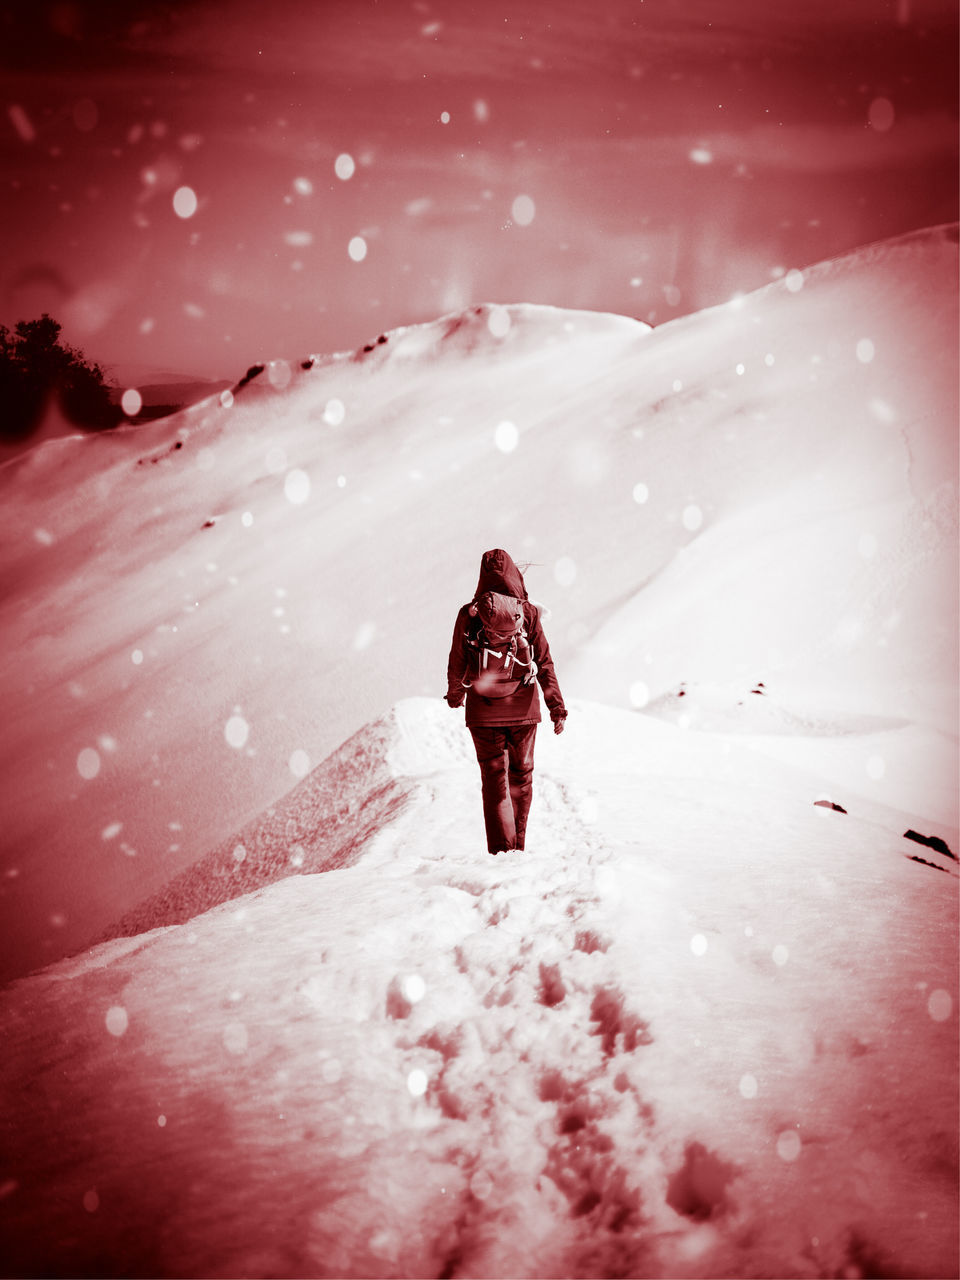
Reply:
x=706 y=1026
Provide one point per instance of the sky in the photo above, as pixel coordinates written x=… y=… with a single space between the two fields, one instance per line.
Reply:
x=193 y=187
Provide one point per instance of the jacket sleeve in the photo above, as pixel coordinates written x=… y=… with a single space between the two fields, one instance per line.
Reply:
x=546 y=676
x=457 y=663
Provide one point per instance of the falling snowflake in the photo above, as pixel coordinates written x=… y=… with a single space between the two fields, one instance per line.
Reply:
x=236 y=731
x=865 y=350
x=499 y=322
x=131 y=402
x=414 y=988
x=506 y=437
x=523 y=210
x=299 y=763
x=417 y=1082
x=692 y=518
x=296 y=487
x=185 y=202
x=117 y=1020
x=639 y=694
x=940 y=1005
x=565 y=571
x=748 y=1086
x=789 y=1145
x=88 y=763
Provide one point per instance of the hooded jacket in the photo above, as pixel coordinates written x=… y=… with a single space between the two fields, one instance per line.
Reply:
x=498 y=572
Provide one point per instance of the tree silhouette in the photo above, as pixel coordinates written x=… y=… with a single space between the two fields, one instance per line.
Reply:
x=37 y=370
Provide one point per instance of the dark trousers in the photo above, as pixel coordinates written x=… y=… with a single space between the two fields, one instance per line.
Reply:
x=505 y=756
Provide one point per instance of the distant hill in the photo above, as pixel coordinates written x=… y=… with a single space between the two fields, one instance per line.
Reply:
x=165 y=397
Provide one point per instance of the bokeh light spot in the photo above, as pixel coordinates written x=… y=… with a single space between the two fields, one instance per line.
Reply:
x=639 y=694
x=335 y=412
x=523 y=210
x=565 y=571
x=940 y=1005
x=131 y=402
x=276 y=460
x=299 y=763
x=88 y=763
x=748 y=1086
x=185 y=202
x=296 y=487
x=236 y=731
x=117 y=1020
x=692 y=518
x=881 y=115
x=506 y=436
x=781 y=955
x=344 y=166
x=788 y=1145
x=794 y=280
x=332 y=1070
x=414 y=988
x=417 y=1082
x=640 y=494
x=865 y=351
x=357 y=248
x=876 y=767
x=364 y=636
x=498 y=322
x=698 y=944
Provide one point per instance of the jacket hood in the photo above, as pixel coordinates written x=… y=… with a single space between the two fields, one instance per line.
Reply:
x=499 y=573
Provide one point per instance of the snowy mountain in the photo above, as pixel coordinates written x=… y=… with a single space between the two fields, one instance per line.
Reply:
x=707 y=1025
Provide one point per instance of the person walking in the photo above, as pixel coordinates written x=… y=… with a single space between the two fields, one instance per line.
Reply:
x=498 y=656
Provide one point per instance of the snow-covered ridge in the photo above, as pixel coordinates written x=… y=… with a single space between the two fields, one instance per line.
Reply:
x=210 y=605
x=419 y=754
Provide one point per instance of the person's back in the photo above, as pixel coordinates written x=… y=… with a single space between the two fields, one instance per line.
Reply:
x=502 y=713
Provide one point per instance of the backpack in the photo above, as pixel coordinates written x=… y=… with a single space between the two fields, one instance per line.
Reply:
x=499 y=658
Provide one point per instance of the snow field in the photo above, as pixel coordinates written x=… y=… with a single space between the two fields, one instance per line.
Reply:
x=286 y=562
x=692 y=1031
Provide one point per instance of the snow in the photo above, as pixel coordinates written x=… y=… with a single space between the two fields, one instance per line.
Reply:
x=706 y=1025
x=695 y=1031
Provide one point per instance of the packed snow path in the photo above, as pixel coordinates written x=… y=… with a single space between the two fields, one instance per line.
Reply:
x=703 y=1027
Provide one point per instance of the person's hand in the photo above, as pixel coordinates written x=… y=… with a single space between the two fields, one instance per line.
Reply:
x=558 y=726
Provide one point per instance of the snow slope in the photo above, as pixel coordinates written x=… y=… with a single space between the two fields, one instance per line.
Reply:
x=704 y=1027
x=197 y=611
